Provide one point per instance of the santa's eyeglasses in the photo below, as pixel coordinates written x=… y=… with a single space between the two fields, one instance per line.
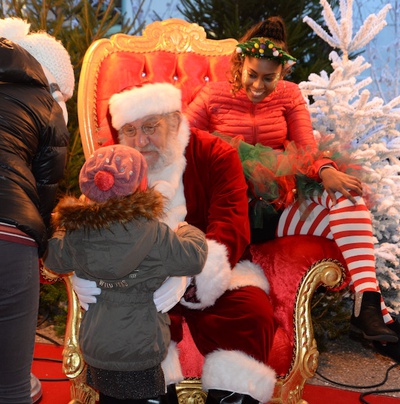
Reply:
x=148 y=128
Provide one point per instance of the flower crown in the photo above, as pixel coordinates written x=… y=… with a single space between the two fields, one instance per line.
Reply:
x=264 y=49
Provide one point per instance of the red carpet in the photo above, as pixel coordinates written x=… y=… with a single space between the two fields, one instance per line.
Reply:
x=57 y=392
x=45 y=369
x=327 y=395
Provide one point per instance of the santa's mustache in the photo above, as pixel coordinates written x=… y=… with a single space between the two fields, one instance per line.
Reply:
x=147 y=148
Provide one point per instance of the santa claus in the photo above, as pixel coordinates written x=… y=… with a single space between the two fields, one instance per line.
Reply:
x=226 y=306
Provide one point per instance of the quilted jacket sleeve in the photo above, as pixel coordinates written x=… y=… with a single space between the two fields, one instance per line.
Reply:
x=300 y=129
x=198 y=112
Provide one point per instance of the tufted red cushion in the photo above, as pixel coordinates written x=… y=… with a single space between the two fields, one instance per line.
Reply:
x=122 y=70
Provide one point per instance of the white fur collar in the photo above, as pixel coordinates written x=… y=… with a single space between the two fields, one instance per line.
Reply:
x=168 y=181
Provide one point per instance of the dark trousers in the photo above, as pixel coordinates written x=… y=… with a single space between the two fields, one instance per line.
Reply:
x=19 y=302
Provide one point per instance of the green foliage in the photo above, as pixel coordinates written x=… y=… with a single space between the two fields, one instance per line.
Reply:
x=331 y=313
x=232 y=18
x=53 y=306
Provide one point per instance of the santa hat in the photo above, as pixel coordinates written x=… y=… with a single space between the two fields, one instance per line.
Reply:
x=113 y=172
x=48 y=51
x=149 y=99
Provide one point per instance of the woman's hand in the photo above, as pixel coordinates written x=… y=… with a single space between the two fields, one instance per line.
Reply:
x=336 y=181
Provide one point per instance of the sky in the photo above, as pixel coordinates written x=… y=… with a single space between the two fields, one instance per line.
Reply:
x=361 y=10
x=164 y=8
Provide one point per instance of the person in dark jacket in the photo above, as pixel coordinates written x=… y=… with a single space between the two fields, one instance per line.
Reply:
x=33 y=150
x=115 y=237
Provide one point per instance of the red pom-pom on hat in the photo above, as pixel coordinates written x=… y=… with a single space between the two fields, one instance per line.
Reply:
x=113 y=172
x=104 y=180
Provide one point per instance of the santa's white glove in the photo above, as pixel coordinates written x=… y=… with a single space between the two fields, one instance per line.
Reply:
x=86 y=291
x=170 y=292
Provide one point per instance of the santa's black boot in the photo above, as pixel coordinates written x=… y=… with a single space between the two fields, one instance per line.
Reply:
x=367 y=319
x=172 y=397
x=228 y=397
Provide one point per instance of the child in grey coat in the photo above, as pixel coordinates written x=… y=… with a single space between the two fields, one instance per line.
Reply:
x=113 y=236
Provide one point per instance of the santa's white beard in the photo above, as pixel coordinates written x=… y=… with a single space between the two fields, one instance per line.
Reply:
x=166 y=176
x=165 y=157
x=174 y=151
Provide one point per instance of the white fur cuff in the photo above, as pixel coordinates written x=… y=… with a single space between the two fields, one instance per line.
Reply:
x=214 y=279
x=246 y=273
x=237 y=372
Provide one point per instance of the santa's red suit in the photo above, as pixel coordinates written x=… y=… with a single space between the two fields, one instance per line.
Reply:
x=232 y=324
x=229 y=313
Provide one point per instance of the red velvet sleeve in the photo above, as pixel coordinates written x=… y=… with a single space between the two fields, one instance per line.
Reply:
x=216 y=193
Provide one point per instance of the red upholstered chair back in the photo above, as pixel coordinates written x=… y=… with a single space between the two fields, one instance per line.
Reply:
x=172 y=51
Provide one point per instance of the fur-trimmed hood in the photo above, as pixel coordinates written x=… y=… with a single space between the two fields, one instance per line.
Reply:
x=106 y=241
x=74 y=214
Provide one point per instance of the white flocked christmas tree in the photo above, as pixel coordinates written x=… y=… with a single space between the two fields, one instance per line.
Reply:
x=348 y=122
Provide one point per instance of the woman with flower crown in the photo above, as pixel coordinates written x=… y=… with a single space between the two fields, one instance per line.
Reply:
x=294 y=188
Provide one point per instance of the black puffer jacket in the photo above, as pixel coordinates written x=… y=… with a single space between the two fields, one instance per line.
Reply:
x=33 y=144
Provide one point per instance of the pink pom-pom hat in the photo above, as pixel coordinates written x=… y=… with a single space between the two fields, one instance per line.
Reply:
x=113 y=172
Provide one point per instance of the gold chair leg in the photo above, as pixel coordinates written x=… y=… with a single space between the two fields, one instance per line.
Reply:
x=190 y=391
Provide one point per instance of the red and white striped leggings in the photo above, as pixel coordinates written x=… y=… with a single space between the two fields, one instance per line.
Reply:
x=351 y=228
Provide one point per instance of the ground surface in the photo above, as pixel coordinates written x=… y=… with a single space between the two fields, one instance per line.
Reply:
x=350 y=362
x=346 y=361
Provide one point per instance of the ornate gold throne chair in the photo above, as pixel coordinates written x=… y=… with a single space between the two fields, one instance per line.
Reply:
x=178 y=52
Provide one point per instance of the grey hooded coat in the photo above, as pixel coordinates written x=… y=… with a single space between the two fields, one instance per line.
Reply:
x=129 y=259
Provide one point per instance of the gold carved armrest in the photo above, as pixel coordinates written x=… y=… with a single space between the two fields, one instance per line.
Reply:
x=47 y=276
x=289 y=390
x=73 y=364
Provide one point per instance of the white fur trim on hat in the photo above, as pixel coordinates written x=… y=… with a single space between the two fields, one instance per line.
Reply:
x=150 y=99
x=48 y=51
x=240 y=373
x=215 y=277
